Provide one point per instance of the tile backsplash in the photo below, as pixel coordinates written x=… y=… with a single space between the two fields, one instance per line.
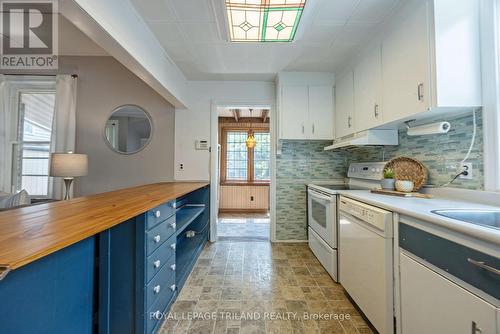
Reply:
x=441 y=154
x=301 y=162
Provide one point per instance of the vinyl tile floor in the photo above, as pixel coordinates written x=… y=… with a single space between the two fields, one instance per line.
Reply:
x=243 y=226
x=259 y=287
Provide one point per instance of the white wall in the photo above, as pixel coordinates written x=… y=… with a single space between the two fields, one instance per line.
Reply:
x=194 y=123
x=103 y=85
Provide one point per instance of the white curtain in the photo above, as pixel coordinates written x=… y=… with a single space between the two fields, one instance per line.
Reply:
x=64 y=125
x=4 y=137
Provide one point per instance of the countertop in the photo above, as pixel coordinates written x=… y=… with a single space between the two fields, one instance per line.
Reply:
x=30 y=233
x=420 y=208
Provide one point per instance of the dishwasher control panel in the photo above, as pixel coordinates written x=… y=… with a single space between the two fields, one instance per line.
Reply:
x=379 y=218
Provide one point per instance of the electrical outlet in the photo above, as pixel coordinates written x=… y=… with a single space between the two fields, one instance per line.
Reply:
x=181 y=167
x=468 y=168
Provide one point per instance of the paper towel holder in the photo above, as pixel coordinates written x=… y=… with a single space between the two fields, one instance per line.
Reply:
x=427 y=129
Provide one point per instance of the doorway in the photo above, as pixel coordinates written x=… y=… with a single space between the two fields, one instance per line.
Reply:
x=244 y=173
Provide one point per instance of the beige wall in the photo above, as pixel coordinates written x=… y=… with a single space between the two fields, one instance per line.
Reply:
x=103 y=85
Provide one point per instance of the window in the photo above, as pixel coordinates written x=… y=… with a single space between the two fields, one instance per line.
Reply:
x=237 y=156
x=262 y=155
x=263 y=20
x=31 y=153
x=243 y=164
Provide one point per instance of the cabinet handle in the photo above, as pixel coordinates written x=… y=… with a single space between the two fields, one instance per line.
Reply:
x=313 y=128
x=172 y=287
x=172 y=225
x=420 y=92
x=303 y=129
x=475 y=329
x=349 y=121
x=157 y=214
x=172 y=246
x=172 y=267
x=156 y=264
x=484 y=266
x=157 y=238
x=173 y=205
x=375 y=110
x=156 y=289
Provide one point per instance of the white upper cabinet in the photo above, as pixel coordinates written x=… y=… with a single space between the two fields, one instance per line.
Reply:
x=368 y=109
x=305 y=103
x=344 y=105
x=431 y=59
x=294 y=112
x=321 y=112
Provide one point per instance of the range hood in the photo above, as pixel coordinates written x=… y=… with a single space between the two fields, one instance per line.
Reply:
x=366 y=138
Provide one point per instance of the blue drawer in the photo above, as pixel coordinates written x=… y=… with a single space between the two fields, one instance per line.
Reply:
x=160 y=257
x=162 y=285
x=158 y=235
x=159 y=214
x=156 y=313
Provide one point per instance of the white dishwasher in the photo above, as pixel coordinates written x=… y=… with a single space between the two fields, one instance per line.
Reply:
x=366 y=260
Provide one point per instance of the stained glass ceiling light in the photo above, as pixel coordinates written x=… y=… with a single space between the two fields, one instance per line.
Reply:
x=263 y=20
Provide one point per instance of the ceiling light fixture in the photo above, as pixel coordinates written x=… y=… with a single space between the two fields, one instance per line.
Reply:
x=250 y=142
x=263 y=20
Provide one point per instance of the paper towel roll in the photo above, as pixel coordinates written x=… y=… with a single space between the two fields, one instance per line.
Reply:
x=429 y=129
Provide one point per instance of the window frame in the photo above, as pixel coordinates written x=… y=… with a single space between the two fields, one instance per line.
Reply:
x=250 y=160
x=11 y=86
x=17 y=149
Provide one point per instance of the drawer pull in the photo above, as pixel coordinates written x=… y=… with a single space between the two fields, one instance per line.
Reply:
x=172 y=225
x=173 y=205
x=156 y=289
x=157 y=238
x=172 y=267
x=157 y=263
x=484 y=266
x=157 y=315
x=172 y=287
x=157 y=214
x=172 y=246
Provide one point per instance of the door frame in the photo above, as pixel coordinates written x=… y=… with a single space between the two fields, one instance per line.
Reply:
x=214 y=161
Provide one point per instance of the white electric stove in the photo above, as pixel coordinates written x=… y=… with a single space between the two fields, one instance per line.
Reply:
x=322 y=217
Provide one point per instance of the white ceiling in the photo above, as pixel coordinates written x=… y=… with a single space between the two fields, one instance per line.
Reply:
x=194 y=35
x=228 y=112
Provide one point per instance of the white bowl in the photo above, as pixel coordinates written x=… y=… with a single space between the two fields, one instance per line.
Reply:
x=405 y=186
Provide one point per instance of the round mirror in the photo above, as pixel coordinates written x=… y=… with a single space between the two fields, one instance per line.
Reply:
x=128 y=130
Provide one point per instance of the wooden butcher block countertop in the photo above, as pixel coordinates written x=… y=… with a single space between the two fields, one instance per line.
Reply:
x=30 y=233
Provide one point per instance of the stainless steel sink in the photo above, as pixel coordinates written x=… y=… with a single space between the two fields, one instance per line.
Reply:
x=488 y=218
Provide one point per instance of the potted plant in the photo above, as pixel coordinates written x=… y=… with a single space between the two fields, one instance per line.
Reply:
x=388 y=181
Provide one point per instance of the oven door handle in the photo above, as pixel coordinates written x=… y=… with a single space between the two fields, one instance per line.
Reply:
x=318 y=195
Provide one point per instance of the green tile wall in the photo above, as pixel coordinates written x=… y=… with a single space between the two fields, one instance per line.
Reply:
x=301 y=162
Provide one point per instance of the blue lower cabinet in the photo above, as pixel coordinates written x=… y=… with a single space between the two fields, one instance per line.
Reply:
x=155 y=261
x=52 y=295
x=139 y=262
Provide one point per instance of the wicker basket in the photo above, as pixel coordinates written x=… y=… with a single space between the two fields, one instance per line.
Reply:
x=409 y=169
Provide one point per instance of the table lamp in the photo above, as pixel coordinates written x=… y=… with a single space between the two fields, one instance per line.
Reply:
x=68 y=166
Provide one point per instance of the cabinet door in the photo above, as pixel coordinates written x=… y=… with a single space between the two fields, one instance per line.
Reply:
x=406 y=65
x=344 y=106
x=430 y=303
x=294 y=112
x=320 y=112
x=368 y=91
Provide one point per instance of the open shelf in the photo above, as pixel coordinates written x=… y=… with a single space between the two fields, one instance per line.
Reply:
x=187 y=214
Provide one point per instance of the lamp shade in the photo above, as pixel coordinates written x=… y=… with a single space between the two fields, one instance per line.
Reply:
x=68 y=164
